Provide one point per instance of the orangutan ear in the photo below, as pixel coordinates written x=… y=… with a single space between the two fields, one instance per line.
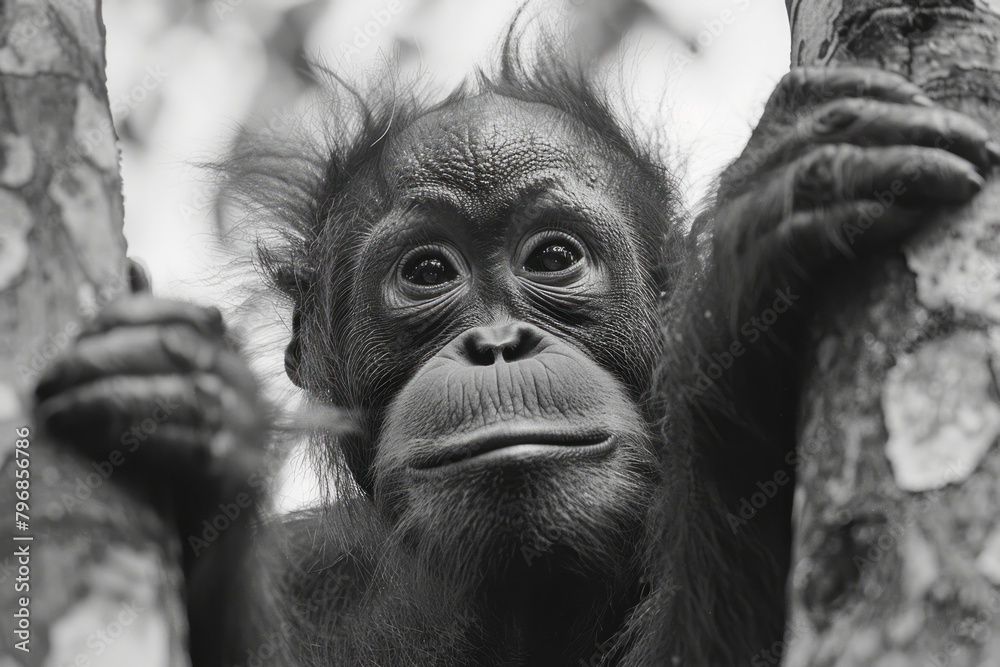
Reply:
x=293 y=353
x=138 y=277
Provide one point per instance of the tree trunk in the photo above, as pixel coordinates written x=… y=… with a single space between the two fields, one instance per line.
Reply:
x=88 y=576
x=897 y=543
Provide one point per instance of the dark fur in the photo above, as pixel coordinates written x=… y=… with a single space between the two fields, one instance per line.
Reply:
x=713 y=596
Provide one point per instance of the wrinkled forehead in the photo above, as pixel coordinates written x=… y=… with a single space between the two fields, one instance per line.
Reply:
x=492 y=147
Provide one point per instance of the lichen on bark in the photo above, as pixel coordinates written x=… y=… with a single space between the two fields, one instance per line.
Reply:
x=897 y=544
x=105 y=584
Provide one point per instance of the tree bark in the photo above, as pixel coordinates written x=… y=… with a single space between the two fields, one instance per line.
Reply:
x=88 y=576
x=897 y=544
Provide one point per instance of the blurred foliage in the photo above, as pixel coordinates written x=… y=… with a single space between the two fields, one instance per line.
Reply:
x=289 y=37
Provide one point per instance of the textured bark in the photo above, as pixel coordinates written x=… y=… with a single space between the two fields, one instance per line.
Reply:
x=897 y=544
x=104 y=580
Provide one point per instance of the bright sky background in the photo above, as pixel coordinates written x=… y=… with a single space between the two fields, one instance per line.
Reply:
x=182 y=89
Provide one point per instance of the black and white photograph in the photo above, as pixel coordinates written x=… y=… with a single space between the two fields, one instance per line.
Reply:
x=488 y=333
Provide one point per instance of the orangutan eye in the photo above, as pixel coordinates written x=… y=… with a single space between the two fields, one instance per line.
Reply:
x=430 y=266
x=551 y=252
x=552 y=257
x=429 y=270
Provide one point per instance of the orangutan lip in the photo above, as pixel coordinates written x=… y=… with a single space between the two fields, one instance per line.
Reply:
x=505 y=444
